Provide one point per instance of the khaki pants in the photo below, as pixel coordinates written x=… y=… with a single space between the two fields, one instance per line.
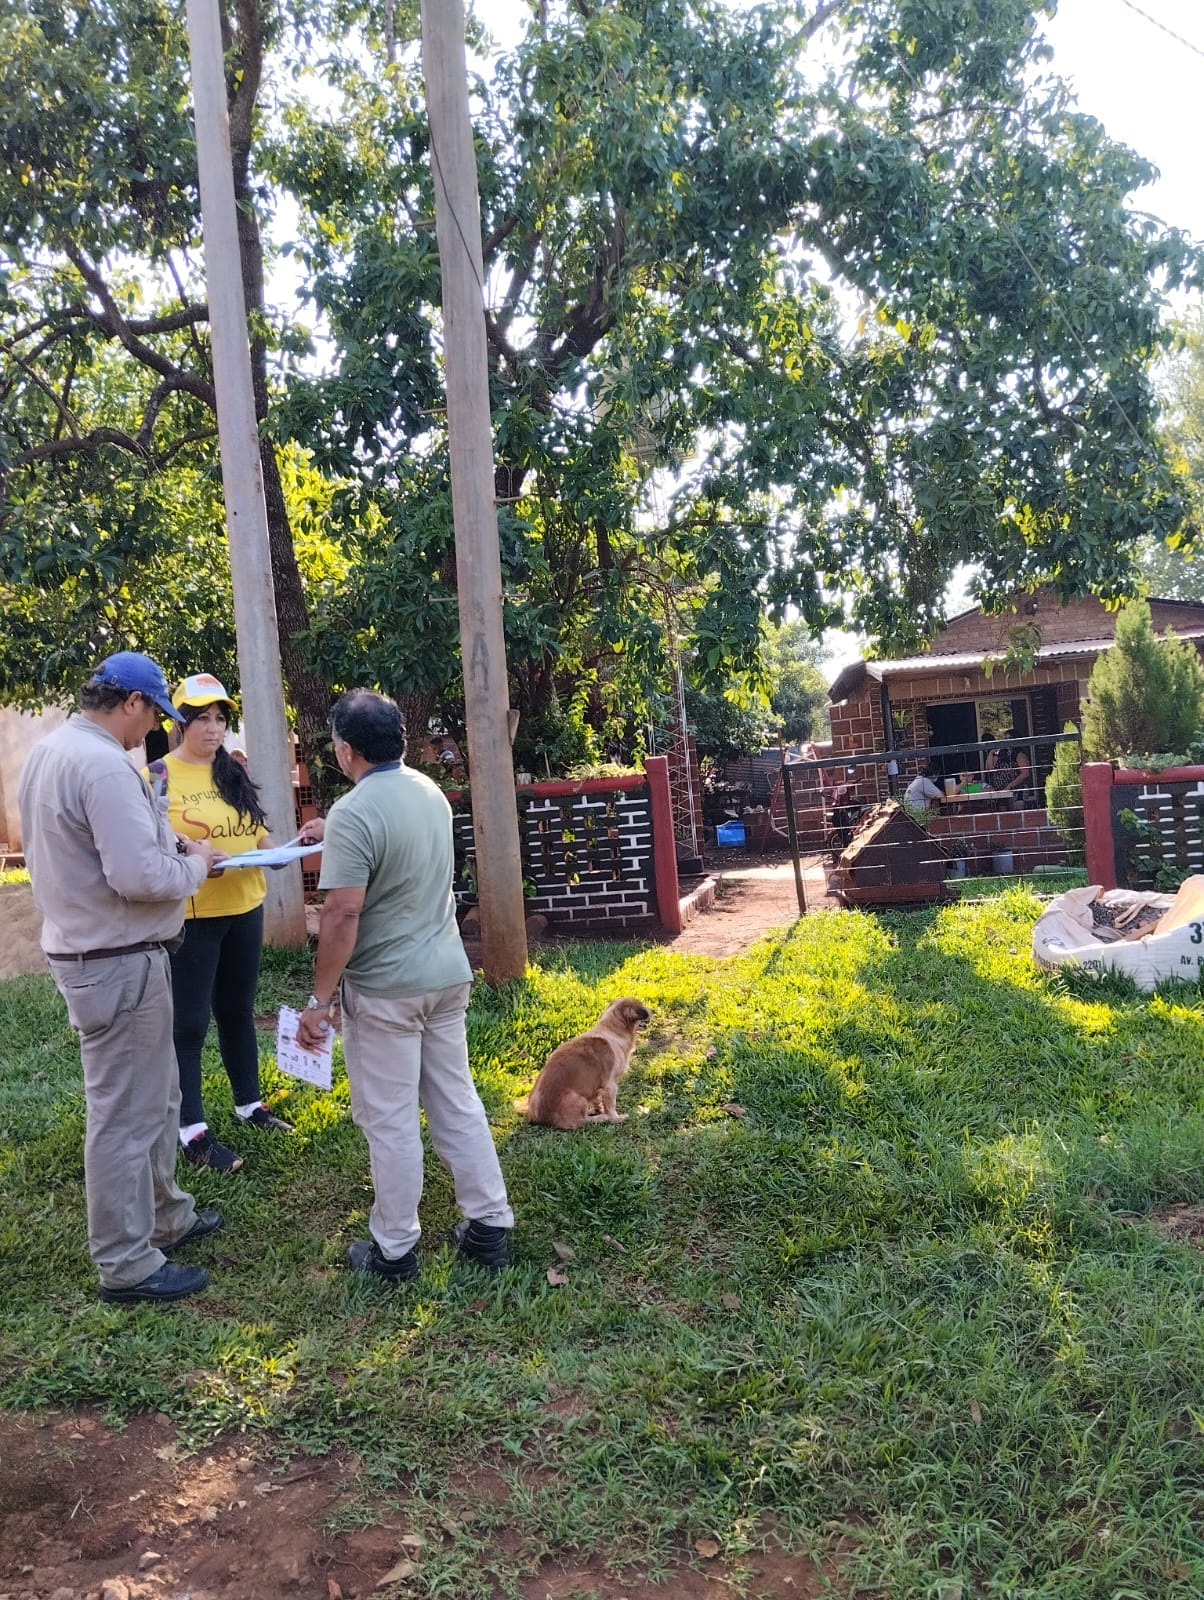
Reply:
x=401 y=1053
x=121 y=1008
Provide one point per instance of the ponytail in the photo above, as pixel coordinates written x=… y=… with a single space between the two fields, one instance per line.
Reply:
x=233 y=782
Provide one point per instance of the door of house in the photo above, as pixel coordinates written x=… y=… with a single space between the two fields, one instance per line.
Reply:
x=955 y=723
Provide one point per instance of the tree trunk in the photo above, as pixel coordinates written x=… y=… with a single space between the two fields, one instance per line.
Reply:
x=417 y=709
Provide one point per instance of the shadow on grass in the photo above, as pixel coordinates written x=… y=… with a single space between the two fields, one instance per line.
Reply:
x=852 y=1252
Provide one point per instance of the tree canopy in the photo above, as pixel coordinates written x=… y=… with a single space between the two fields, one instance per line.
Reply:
x=769 y=326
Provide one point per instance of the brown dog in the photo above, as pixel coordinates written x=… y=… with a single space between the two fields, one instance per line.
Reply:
x=579 y=1080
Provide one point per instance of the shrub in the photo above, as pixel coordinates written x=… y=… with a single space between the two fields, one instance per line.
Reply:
x=1064 y=798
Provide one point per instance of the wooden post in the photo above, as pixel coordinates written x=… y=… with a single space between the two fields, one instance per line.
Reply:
x=258 y=640
x=478 y=561
x=664 y=844
x=800 y=889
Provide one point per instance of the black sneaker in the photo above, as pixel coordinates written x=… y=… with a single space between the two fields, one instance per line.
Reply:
x=203 y=1150
x=365 y=1256
x=171 y=1282
x=261 y=1117
x=489 y=1247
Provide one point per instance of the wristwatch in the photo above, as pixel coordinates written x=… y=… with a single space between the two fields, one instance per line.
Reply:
x=314 y=1004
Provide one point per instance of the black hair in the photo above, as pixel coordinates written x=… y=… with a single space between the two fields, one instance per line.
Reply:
x=95 y=696
x=371 y=724
x=231 y=780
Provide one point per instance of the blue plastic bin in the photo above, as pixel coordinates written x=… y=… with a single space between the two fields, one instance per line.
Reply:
x=730 y=833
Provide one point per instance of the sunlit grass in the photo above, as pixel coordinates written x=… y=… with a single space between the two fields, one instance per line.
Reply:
x=866 y=1254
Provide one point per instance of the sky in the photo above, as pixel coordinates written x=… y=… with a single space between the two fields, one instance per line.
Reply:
x=1145 y=86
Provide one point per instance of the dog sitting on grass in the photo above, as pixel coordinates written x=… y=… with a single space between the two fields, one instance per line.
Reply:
x=579 y=1081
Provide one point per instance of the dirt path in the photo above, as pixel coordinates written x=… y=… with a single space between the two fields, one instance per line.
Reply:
x=755 y=894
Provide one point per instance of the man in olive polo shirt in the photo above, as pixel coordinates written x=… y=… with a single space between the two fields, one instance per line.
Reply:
x=389 y=945
x=111 y=882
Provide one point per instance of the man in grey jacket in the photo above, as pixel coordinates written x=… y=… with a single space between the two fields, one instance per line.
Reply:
x=110 y=881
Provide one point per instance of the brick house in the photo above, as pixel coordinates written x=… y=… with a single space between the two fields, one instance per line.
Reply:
x=949 y=694
x=957 y=692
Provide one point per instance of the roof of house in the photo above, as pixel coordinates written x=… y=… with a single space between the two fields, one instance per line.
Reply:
x=851 y=678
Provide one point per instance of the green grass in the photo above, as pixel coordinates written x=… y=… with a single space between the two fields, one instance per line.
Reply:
x=907 y=1294
x=14 y=875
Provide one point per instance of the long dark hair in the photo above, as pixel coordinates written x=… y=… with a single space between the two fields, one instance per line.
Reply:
x=230 y=778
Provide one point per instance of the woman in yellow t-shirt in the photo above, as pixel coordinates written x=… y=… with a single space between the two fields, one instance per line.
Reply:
x=214 y=972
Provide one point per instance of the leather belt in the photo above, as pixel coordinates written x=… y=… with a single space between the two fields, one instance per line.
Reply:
x=99 y=955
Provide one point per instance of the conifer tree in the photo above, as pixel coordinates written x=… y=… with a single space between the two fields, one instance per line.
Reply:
x=1145 y=695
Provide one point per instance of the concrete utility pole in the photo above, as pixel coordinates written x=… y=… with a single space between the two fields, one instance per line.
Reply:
x=478 y=562
x=242 y=477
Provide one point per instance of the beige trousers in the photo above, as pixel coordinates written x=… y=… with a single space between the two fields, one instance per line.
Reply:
x=402 y=1054
x=121 y=1008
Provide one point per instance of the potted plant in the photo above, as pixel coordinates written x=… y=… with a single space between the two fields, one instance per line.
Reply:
x=960 y=851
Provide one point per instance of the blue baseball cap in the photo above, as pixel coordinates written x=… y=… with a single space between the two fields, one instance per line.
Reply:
x=136 y=674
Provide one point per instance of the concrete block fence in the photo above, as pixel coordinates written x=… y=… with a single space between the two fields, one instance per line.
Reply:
x=598 y=854
x=1170 y=804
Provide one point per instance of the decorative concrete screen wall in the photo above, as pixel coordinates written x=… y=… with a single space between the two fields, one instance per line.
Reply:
x=588 y=849
x=1170 y=808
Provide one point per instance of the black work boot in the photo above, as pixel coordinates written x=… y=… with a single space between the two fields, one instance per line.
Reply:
x=489 y=1247
x=365 y=1256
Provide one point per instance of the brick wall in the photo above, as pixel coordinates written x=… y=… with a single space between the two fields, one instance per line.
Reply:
x=587 y=853
x=1059 y=624
x=1027 y=834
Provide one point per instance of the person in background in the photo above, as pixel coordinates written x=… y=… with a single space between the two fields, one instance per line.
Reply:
x=389 y=946
x=1009 y=771
x=214 y=972
x=923 y=798
x=110 y=882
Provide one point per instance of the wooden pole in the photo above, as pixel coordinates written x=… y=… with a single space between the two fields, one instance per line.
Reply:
x=792 y=830
x=478 y=562
x=242 y=476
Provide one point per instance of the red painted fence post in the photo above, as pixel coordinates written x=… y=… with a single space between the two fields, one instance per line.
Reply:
x=664 y=845
x=1096 y=778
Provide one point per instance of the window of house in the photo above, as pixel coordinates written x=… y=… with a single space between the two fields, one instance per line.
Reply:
x=997 y=717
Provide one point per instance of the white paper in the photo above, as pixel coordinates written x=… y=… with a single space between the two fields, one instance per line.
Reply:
x=275 y=857
x=313 y=1066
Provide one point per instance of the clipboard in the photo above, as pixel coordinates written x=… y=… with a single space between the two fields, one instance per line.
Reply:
x=277 y=856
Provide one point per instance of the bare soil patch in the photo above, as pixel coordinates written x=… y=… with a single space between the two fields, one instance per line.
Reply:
x=21 y=950
x=1184 y=1223
x=89 y=1513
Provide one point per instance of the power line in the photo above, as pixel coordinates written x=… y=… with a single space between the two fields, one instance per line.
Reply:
x=1170 y=32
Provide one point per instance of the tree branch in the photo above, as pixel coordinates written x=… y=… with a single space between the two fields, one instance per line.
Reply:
x=822 y=13
x=79 y=444
x=115 y=324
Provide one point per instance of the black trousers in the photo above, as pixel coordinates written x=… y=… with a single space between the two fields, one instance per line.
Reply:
x=214 y=973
